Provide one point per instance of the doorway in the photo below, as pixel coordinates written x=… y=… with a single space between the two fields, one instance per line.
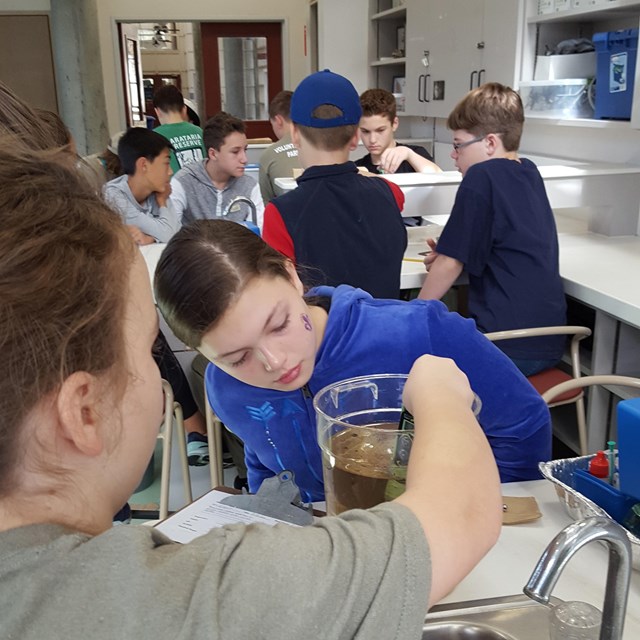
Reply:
x=242 y=69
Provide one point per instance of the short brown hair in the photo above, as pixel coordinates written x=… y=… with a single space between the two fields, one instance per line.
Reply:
x=204 y=268
x=281 y=105
x=378 y=102
x=218 y=127
x=65 y=259
x=329 y=138
x=491 y=108
x=60 y=134
x=18 y=119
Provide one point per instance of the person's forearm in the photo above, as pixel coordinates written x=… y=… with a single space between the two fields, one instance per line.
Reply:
x=442 y=274
x=453 y=488
x=421 y=164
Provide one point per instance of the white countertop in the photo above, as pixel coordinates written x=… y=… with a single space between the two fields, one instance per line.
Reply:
x=507 y=567
x=554 y=171
x=600 y=271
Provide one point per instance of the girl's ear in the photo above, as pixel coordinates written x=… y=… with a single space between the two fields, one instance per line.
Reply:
x=79 y=417
x=294 y=277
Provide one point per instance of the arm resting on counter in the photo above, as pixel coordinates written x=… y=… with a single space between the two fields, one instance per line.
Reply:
x=443 y=272
x=393 y=157
x=461 y=519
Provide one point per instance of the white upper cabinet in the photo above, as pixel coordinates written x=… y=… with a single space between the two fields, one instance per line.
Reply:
x=456 y=45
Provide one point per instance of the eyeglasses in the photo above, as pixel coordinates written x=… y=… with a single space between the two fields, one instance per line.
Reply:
x=461 y=145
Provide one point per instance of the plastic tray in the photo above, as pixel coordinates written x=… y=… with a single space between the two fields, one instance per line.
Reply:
x=577 y=506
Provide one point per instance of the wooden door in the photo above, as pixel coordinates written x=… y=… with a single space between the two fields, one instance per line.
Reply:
x=242 y=68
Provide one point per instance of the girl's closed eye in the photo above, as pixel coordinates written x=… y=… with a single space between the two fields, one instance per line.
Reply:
x=282 y=326
x=242 y=360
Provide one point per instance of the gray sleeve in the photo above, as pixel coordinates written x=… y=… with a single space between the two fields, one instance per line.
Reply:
x=164 y=225
x=161 y=226
x=264 y=179
x=365 y=574
x=119 y=202
x=178 y=197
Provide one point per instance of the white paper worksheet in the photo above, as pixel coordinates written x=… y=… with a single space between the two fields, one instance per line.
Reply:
x=207 y=513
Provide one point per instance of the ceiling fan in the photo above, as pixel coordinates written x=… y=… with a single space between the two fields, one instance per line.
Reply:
x=158 y=34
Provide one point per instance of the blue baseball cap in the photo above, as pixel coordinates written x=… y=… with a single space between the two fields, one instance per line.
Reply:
x=325 y=87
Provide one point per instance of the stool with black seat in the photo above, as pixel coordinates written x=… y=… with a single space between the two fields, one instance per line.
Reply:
x=553 y=376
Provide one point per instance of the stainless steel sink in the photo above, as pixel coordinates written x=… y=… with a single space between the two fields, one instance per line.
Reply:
x=507 y=618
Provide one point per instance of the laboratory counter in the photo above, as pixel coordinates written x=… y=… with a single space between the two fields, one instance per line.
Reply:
x=507 y=567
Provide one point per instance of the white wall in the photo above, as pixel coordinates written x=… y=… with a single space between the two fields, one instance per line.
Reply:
x=293 y=13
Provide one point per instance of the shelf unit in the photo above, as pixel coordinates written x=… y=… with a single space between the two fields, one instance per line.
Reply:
x=385 y=21
x=545 y=30
x=604 y=10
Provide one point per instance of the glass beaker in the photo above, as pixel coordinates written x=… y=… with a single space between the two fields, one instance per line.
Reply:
x=364 y=452
x=574 y=621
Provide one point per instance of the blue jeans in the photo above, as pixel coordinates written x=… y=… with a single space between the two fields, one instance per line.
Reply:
x=529 y=367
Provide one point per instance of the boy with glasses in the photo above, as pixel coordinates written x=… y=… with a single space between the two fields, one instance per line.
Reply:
x=501 y=230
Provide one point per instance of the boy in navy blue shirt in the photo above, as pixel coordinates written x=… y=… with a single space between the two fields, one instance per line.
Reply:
x=501 y=230
x=346 y=227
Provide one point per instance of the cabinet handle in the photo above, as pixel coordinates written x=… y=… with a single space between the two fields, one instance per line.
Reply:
x=426 y=88
x=481 y=76
x=421 y=78
x=473 y=73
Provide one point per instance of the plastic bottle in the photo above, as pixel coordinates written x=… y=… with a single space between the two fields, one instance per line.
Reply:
x=599 y=465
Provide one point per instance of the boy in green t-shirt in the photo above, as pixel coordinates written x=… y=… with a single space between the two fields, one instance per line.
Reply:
x=185 y=138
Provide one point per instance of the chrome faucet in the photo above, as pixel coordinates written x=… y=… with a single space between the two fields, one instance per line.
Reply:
x=562 y=548
x=252 y=206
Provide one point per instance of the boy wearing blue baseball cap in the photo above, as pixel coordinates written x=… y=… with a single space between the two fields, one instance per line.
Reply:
x=347 y=227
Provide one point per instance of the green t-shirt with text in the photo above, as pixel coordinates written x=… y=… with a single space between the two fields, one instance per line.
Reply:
x=187 y=142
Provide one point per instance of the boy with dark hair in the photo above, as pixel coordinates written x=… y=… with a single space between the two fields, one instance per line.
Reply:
x=141 y=195
x=185 y=138
x=501 y=230
x=208 y=188
x=281 y=158
x=377 y=126
x=345 y=225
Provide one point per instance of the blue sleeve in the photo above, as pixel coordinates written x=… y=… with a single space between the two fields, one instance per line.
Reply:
x=468 y=234
x=514 y=417
x=256 y=472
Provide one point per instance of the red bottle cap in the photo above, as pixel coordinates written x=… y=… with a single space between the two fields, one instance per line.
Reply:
x=599 y=466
